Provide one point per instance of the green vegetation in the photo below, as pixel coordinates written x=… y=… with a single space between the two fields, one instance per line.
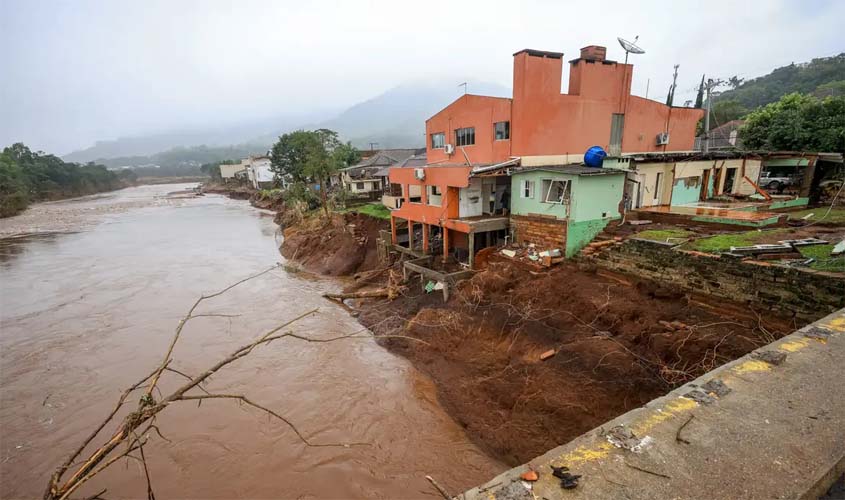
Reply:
x=377 y=210
x=27 y=176
x=723 y=242
x=664 y=235
x=836 y=215
x=823 y=76
x=312 y=157
x=797 y=123
x=824 y=261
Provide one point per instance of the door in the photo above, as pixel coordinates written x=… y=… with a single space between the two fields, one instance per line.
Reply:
x=730 y=176
x=658 y=189
x=617 y=126
x=706 y=185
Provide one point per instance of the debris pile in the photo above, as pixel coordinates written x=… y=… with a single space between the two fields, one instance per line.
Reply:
x=532 y=255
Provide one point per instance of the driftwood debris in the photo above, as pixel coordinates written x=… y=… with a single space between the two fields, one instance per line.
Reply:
x=367 y=294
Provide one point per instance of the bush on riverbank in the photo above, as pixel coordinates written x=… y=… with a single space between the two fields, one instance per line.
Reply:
x=27 y=177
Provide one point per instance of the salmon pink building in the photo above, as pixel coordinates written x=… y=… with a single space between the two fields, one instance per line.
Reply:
x=464 y=191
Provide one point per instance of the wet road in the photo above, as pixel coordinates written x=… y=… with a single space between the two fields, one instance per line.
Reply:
x=84 y=314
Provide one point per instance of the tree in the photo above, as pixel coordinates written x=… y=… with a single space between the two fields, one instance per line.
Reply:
x=735 y=81
x=797 y=123
x=325 y=157
x=725 y=111
x=289 y=154
x=699 y=98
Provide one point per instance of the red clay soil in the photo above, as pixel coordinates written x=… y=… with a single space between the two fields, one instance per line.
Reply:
x=338 y=245
x=616 y=348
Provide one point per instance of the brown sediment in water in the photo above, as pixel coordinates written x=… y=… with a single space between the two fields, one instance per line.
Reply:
x=617 y=342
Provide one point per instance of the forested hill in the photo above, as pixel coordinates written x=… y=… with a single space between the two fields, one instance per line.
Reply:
x=821 y=77
x=27 y=176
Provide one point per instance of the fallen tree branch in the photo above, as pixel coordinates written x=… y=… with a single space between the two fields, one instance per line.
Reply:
x=126 y=439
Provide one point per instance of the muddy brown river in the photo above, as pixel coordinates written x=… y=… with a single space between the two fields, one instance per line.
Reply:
x=89 y=303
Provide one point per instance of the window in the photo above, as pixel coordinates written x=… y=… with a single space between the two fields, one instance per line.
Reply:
x=555 y=191
x=359 y=186
x=502 y=130
x=465 y=136
x=433 y=198
x=438 y=140
x=527 y=189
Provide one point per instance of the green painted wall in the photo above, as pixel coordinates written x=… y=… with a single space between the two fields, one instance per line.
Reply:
x=579 y=234
x=683 y=195
x=592 y=197
x=797 y=202
x=597 y=197
x=594 y=203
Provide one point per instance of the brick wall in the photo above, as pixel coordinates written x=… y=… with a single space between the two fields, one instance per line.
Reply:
x=803 y=293
x=545 y=232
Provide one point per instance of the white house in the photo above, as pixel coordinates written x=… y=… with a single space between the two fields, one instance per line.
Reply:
x=258 y=172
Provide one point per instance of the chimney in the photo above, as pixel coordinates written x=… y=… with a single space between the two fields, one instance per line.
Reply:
x=594 y=53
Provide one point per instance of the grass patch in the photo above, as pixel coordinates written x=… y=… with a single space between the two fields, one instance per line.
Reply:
x=664 y=235
x=836 y=215
x=723 y=242
x=377 y=210
x=824 y=261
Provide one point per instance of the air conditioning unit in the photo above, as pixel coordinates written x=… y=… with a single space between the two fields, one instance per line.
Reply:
x=450 y=149
x=419 y=174
x=662 y=139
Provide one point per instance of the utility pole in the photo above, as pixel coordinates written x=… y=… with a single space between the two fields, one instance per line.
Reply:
x=709 y=86
x=373 y=145
x=707 y=118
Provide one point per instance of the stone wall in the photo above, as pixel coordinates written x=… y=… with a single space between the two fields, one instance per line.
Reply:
x=545 y=232
x=803 y=293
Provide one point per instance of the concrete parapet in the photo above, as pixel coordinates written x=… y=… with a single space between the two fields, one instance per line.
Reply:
x=768 y=425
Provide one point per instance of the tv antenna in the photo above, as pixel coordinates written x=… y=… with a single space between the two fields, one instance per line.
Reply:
x=464 y=85
x=630 y=47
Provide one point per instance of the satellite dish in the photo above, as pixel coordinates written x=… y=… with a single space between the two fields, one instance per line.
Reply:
x=630 y=47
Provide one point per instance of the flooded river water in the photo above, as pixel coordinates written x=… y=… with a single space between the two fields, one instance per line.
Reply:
x=90 y=310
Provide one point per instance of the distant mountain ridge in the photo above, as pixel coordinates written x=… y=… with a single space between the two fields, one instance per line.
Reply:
x=393 y=119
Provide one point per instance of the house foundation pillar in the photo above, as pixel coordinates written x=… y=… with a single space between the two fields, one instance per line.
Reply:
x=425 y=236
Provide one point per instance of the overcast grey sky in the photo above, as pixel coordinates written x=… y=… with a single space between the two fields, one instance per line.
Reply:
x=77 y=71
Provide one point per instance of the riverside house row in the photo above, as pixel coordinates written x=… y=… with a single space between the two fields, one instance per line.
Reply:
x=511 y=169
x=464 y=198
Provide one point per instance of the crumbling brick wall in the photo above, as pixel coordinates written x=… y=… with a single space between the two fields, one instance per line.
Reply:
x=804 y=293
x=545 y=232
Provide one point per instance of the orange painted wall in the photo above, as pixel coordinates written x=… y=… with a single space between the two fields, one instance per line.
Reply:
x=645 y=119
x=546 y=122
x=476 y=111
x=449 y=179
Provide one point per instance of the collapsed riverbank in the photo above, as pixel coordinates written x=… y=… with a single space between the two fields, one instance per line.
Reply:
x=525 y=360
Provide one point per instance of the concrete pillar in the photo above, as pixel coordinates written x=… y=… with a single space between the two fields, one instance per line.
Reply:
x=471 y=238
x=410 y=234
x=393 y=229
x=425 y=237
x=445 y=244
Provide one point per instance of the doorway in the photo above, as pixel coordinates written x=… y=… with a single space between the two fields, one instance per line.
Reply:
x=730 y=178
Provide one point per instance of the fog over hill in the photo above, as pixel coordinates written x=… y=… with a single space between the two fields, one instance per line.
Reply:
x=393 y=119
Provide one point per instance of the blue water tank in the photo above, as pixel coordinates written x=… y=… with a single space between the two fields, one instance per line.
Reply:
x=594 y=157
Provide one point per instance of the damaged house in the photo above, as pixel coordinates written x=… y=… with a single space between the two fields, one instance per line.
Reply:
x=564 y=206
x=368 y=179
x=462 y=199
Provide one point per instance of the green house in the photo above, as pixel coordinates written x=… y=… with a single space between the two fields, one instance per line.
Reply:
x=564 y=206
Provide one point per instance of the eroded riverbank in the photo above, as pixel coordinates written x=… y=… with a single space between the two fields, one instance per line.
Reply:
x=86 y=313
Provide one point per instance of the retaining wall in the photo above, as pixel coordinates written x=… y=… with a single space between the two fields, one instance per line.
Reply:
x=804 y=293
